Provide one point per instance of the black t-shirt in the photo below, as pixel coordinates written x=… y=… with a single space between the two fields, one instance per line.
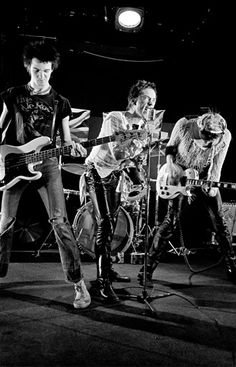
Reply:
x=31 y=116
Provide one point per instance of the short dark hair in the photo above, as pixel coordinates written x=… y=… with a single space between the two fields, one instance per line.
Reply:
x=43 y=51
x=136 y=89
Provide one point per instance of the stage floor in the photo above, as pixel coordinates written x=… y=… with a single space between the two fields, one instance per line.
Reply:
x=182 y=321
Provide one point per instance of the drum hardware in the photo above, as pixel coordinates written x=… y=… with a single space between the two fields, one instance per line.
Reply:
x=85 y=228
x=137 y=212
x=137 y=192
x=84 y=250
x=137 y=258
x=69 y=192
x=160 y=145
x=45 y=244
x=127 y=187
x=134 y=183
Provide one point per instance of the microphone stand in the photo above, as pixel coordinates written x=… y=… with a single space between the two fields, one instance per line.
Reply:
x=144 y=297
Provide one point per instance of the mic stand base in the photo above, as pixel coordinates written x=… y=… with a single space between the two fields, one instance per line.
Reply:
x=145 y=298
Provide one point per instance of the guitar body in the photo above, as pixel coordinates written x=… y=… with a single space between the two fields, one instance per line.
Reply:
x=17 y=162
x=13 y=162
x=169 y=189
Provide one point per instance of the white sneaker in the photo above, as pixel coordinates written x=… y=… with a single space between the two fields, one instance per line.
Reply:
x=82 y=296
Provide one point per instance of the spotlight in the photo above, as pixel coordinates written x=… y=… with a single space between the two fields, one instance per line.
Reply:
x=129 y=19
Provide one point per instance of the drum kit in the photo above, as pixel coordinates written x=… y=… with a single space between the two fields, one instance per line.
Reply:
x=130 y=220
x=131 y=228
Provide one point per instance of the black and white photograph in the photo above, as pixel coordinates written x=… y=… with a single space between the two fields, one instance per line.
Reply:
x=117 y=184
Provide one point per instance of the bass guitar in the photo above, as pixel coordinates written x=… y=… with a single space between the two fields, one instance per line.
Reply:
x=191 y=179
x=17 y=162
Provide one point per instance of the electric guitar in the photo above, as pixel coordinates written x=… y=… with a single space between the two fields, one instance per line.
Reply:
x=167 y=191
x=17 y=162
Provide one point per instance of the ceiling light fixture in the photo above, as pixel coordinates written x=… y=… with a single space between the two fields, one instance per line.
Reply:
x=129 y=19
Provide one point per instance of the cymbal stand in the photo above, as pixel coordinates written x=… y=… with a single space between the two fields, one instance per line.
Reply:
x=138 y=207
x=157 y=199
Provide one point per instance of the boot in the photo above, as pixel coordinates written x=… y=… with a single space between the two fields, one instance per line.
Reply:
x=225 y=241
x=149 y=272
x=105 y=292
x=157 y=249
x=103 y=287
x=231 y=268
x=117 y=277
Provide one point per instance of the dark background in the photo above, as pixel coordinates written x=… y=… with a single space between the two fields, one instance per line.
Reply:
x=185 y=47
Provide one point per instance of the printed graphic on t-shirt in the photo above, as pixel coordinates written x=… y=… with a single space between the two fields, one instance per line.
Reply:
x=37 y=115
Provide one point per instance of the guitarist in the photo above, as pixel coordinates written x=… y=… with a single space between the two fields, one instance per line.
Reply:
x=30 y=111
x=105 y=173
x=201 y=144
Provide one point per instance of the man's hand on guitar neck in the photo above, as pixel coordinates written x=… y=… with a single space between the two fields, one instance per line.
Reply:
x=77 y=149
x=209 y=191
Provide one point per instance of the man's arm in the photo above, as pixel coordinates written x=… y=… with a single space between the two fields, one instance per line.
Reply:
x=77 y=149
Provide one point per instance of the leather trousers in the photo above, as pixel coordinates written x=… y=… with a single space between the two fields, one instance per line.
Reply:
x=106 y=201
x=213 y=206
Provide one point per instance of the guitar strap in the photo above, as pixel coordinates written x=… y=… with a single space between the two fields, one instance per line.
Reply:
x=53 y=136
x=3 y=131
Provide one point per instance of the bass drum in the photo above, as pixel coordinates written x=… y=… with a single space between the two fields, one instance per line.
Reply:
x=85 y=229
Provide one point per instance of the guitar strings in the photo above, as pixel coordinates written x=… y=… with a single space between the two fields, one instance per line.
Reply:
x=33 y=157
x=22 y=160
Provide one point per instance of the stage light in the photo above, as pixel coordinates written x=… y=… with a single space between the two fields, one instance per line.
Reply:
x=129 y=19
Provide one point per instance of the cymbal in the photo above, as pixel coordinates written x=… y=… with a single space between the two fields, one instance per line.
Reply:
x=76 y=168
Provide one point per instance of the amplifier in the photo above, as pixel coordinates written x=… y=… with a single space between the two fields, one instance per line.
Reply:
x=229 y=210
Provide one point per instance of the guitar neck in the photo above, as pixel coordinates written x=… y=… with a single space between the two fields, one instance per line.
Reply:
x=50 y=153
x=65 y=150
x=98 y=141
x=223 y=185
x=127 y=134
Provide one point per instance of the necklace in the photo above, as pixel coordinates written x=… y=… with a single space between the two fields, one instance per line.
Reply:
x=39 y=91
x=134 y=120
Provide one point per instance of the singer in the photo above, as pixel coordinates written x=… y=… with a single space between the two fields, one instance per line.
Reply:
x=104 y=177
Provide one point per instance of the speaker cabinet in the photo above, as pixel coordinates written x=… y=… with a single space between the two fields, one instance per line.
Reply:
x=229 y=210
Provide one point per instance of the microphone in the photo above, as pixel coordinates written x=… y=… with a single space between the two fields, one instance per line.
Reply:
x=150 y=114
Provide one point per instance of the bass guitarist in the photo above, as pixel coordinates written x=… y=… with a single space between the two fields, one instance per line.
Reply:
x=29 y=112
x=200 y=144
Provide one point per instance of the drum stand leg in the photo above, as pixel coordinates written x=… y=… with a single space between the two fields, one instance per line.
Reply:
x=144 y=297
x=37 y=253
x=137 y=217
